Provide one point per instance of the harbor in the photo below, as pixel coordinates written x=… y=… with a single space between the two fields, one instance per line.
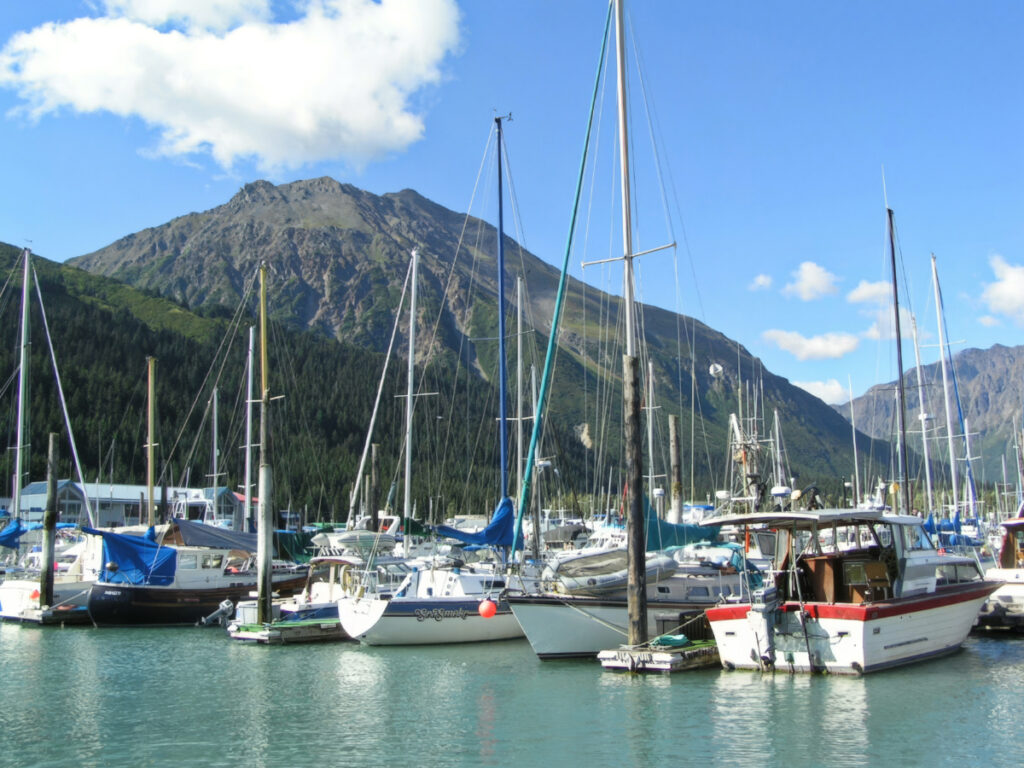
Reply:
x=83 y=697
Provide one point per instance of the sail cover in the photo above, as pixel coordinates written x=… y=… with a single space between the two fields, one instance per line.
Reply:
x=199 y=535
x=662 y=534
x=498 y=533
x=135 y=559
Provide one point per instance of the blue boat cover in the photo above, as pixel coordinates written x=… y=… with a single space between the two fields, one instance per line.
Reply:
x=15 y=529
x=138 y=560
x=498 y=533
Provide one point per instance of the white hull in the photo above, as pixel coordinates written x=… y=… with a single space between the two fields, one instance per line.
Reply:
x=566 y=627
x=848 y=638
x=424 y=621
x=19 y=598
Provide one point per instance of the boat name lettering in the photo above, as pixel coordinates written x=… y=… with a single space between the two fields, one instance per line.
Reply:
x=440 y=614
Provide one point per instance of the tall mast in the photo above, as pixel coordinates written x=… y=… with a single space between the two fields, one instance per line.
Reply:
x=247 y=515
x=945 y=387
x=150 y=437
x=627 y=214
x=856 y=467
x=407 y=501
x=265 y=525
x=902 y=409
x=636 y=544
x=922 y=416
x=519 y=382
x=20 y=448
x=502 y=372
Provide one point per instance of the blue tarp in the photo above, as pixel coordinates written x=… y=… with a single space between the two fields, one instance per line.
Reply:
x=139 y=560
x=15 y=529
x=498 y=533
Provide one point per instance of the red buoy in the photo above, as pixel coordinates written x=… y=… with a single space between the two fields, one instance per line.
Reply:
x=487 y=609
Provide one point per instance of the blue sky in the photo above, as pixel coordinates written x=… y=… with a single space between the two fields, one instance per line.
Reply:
x=773 y=122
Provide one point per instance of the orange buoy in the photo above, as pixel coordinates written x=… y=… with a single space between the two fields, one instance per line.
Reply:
x=487 y=609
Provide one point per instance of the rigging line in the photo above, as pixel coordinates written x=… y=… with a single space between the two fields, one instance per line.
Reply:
x=451 y=277
x=63 y=401
x=170 y=454
x=560 y=297
x=377 y=399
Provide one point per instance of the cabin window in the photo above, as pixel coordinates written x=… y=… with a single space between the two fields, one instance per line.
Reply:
x=187 y=561
x=697 y=592
x=212 y=561
x=915 y=538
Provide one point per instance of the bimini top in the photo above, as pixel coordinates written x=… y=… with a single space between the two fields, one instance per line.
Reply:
x=810 y=518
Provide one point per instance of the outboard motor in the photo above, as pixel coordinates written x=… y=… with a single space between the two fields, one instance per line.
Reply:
x=224 y=612
x=763 y=605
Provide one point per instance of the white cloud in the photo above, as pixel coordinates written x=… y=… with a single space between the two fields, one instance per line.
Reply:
x=334 y=83
x=1006 y=295
x=811 y=281
x=988 y=321
x=827 y=346
x=870 y=293
x=882 y=327
x=211 y=15
x=830 y=391
x=760 y=283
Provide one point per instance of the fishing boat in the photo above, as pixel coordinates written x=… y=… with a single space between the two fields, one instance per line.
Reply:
x=852 y=591
x=891 y=600
x=179 y=574
x=1004 y=609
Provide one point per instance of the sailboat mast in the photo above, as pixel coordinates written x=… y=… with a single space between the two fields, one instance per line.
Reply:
x=407 y=501
x=150 y=438
x=265 y=525
x=902 y=409
x=502 y=372
x=247 y=515
x=636 y=544
x=627 y=214
x=20 y=448
x=519 y=382
x=922 y=416
x=856 y=467
x=945 y=387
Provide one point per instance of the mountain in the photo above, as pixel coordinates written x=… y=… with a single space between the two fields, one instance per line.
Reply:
x=990 y=384
x=338 y=256
x=100 y=334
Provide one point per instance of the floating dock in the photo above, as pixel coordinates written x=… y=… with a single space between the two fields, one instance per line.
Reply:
x=289 y=632
x=662 y=658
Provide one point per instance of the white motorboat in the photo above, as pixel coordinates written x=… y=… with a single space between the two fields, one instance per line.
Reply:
x=890 y=599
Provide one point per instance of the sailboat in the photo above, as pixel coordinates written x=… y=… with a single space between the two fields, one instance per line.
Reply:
x=597 y=600
x=52 y=593
x=444 y=602
x=184 y=571
x=884 y=599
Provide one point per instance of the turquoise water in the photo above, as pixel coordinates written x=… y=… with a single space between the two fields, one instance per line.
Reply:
x=190 y=697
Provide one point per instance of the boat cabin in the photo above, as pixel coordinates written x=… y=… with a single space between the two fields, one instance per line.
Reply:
x=856 y=556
